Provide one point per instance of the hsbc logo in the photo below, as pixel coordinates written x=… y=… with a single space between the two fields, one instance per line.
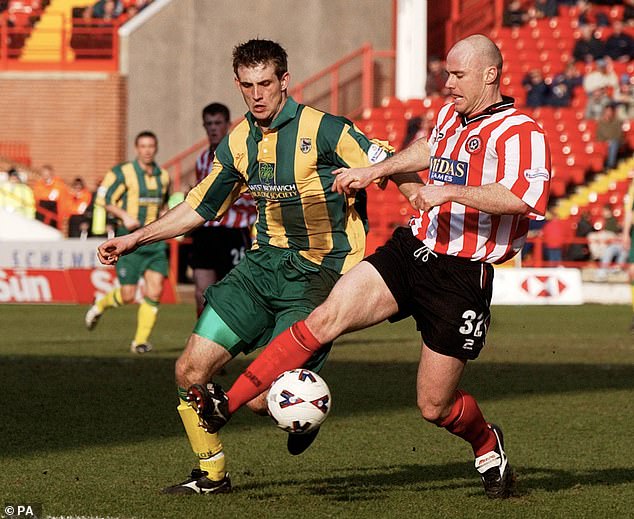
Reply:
x=543 y=286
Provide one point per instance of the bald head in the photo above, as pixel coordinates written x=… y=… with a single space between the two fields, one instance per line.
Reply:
x=481 y=52
x=474 y=66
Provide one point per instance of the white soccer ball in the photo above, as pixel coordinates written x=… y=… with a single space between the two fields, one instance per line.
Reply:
x=299 y=401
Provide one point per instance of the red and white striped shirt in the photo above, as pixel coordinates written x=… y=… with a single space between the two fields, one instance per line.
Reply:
x=242 y=213
x=499 y=145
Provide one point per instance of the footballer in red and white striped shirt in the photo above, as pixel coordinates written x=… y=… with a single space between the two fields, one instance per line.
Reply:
x=499 y=145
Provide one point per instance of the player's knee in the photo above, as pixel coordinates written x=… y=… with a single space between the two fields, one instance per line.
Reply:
x=186 y=373
x=431 y=411
x=323 y=323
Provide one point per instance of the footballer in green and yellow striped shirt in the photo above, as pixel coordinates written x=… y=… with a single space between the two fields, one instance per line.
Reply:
x=288 y=171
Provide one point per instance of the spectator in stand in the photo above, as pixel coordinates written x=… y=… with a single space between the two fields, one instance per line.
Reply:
x=514 y=15
x=628 y=13
x=546 y=8
x=589 y=16
x=619 y=46
x=107 y=9
x=596 y=104
x=613 y=252
x=603 y=76
x=610 y=130
x=74 y=208
x=16 y=196
x=436 y=77
x=537 y=91
x=624 y=99
x=48 y=191
x=563 y=85
x=578 y=251
x=554 y=236
x=588 y=47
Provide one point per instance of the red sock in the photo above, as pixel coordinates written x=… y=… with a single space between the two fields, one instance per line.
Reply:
x=289 y=350
x=466 y=421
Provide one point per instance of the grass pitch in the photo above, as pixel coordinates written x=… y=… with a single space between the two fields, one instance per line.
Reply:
x=90 y=430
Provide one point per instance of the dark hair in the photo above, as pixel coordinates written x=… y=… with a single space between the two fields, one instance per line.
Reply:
x=259 y=52
x=217 y=108
x=145 y=133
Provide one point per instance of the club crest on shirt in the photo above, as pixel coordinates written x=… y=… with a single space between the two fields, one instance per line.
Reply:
x=474 y=144
x=305 y=144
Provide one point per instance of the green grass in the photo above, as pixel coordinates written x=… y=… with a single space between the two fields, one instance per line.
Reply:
x=88 y=429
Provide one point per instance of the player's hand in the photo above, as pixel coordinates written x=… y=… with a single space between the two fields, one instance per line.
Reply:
x=110 y=251
x=350 y=180
x=429 y=196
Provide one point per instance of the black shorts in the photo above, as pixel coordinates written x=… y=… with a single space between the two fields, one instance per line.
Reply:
x=218 y=248
x=449 y=297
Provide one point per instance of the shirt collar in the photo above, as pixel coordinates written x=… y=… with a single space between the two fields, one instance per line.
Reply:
x=288 y=113
x=155 y=169
x=507 y=102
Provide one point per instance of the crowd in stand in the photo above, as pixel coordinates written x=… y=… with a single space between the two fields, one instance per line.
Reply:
x=48 y=199
x=115 y=10
x=26 y=12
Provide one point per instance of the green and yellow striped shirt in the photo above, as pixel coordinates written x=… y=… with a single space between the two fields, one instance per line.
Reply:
x=288 y=170
x=140 y=194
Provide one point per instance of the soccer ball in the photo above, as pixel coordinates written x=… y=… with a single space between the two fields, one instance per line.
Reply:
x=299 y=401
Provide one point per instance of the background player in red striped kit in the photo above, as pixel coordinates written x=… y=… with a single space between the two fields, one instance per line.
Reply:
x=217 y=247
x=489 y=173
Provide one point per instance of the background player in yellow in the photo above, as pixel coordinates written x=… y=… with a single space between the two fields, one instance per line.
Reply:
x=284 y=153
x=135 y=193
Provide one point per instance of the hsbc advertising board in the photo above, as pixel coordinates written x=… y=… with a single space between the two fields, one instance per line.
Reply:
x=557 y=286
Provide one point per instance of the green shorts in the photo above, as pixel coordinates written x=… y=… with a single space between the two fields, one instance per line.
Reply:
x=131 y=267
x=268 y=291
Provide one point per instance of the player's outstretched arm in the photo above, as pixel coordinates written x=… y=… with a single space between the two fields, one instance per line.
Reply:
x=177 y=221
x=413 y=158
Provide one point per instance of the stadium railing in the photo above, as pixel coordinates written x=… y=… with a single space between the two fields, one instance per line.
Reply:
x=74 y=44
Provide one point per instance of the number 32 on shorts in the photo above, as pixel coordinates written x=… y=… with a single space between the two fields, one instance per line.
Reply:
x=474 y=325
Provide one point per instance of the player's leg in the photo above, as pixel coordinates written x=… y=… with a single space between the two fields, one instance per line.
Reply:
x=128 y=273
x=373 y=290
x=451 y=308
x=358 y=300
x=203 y=277
x=442 y=403
x=211 y=346
x=204 y=357
x=147 y=311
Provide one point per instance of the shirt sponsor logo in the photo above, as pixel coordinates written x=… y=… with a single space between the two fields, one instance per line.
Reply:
x=305 y=144
x=268 y=188
x=474 y=144
x=536 y=174
x=448 y=170
x=266 y=172
x=376 y=154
